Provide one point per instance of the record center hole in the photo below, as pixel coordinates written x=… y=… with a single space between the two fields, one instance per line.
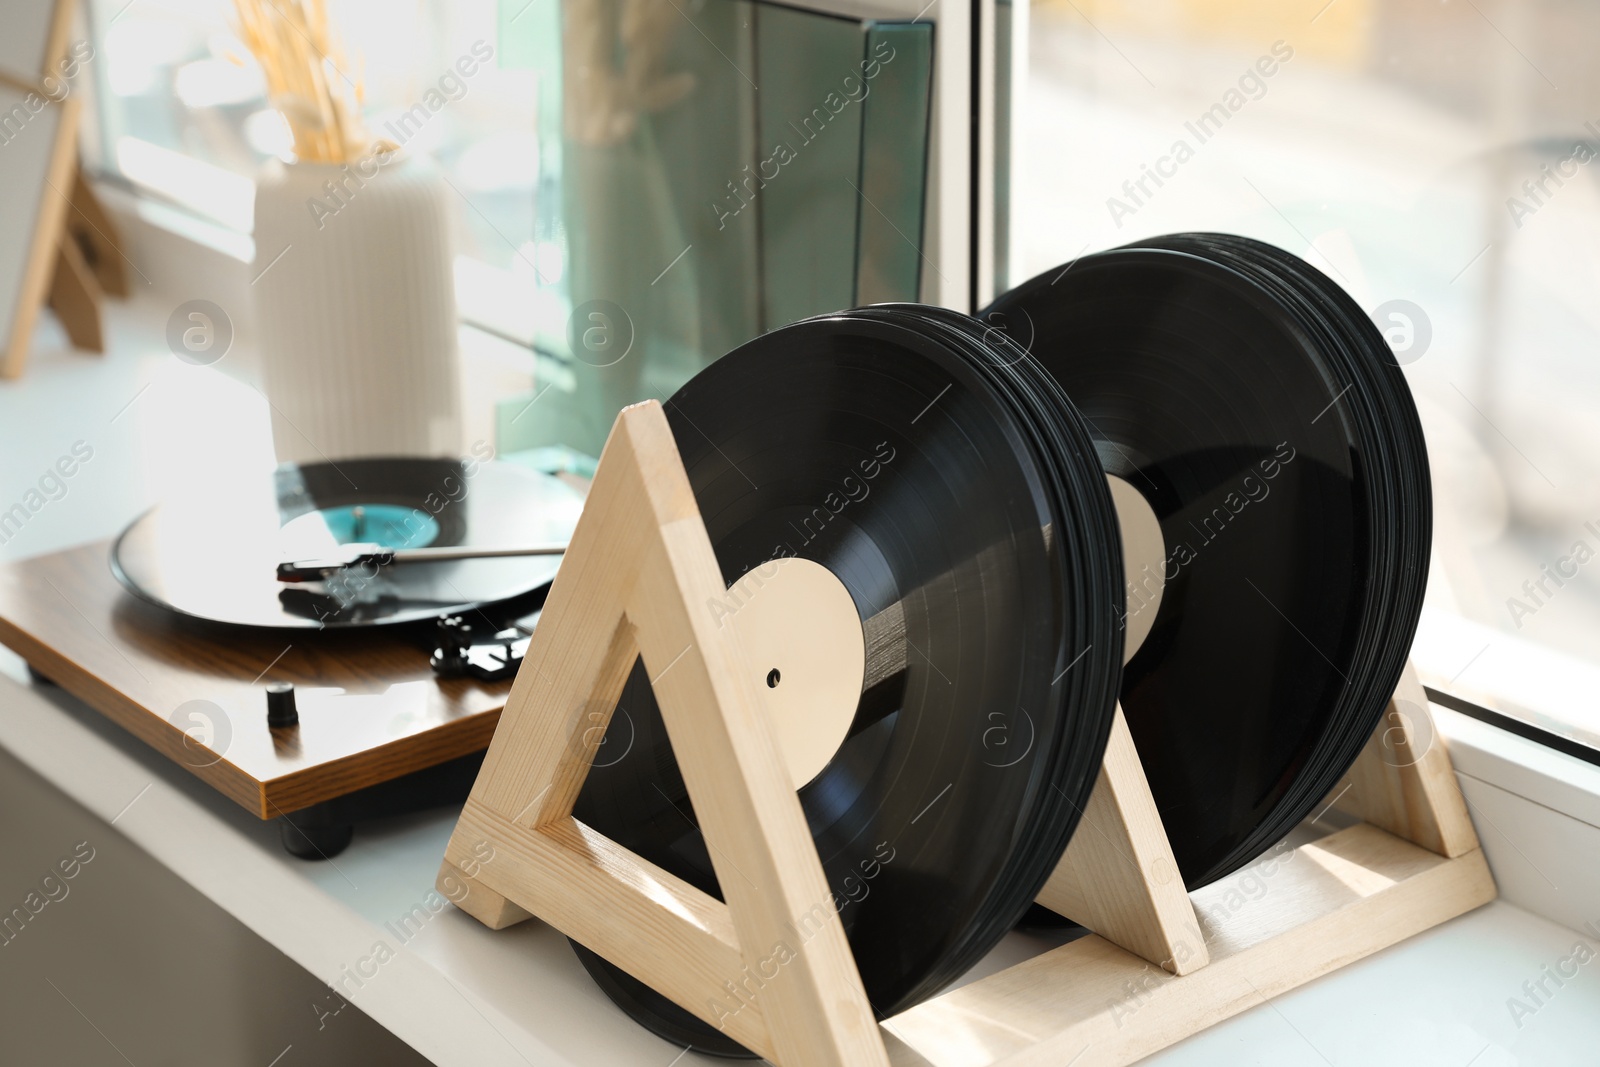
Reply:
x=773 y=678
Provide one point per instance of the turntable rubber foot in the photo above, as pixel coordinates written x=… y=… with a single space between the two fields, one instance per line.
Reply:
x=37 y=678
x=311 y=835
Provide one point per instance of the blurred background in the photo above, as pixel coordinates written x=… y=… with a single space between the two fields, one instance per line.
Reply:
x=1391 y=150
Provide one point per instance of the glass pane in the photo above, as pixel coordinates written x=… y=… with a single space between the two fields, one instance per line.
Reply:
x=698 y=211
x=627 y=200
x=183 y=112
x=1436 y=160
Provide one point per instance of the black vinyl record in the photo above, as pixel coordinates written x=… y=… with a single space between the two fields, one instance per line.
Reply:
x=961 y=504
x=1264 y=420
x=213 y=555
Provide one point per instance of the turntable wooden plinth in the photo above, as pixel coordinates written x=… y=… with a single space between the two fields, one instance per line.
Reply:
x=371 y=711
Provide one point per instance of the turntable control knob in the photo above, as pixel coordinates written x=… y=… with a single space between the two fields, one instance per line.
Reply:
x=281 y=710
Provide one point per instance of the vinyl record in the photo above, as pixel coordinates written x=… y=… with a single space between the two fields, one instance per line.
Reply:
x=1265 y=422
x=960 y=503
x=214 y=555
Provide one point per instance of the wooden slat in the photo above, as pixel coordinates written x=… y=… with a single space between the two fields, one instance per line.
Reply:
x=1118 y=876
x=55 y=49
x=572 y=674
x=761 y=846
x=653 y=924
x=1339 y=899
x=490 y=908
x=75 y=297
x=99 y=237
x=1403 y=780
x=50 y=206
x=640 y=570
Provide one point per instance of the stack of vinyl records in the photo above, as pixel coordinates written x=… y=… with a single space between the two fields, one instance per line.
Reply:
x=952 y=489
x=1264 y=418
x=963 y=478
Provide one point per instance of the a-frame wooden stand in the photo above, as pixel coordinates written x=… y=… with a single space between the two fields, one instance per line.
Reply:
x=72 y=259
x=771 y=966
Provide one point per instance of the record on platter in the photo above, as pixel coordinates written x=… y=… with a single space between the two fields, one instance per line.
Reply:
x=1264 y=420
x=960 y=503
x=213 y=555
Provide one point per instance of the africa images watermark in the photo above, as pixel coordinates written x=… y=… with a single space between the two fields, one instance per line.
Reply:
x=53 y=889
x=852 y=490
x=1537 y=993
x=1537 y=592
x=56 y=88
x=742 y=191
x=754 y=977
x=404 y=930
x=1252 y=85
x=348 y=586
x=51 y=486
x=1144 y=587
x=451 y=86
x=1537 y=191
x=1243 y=891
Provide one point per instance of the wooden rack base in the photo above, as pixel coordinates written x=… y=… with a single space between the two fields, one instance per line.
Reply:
x=1163 y=964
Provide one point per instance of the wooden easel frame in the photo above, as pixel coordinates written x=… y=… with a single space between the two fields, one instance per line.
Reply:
x=73 y=260
x=1162 y=965
x=89 y=267
x=49 y=234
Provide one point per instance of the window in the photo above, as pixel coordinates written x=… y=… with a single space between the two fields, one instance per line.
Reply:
x=585 y=164
x=1438 y=160
x=183 y=113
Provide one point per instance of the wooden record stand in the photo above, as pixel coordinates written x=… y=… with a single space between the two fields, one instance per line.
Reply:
x=771 y=966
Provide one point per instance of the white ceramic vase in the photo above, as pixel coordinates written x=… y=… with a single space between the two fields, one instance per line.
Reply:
x=356 y=310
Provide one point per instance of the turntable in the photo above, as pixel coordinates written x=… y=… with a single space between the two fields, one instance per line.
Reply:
x=364 y=691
